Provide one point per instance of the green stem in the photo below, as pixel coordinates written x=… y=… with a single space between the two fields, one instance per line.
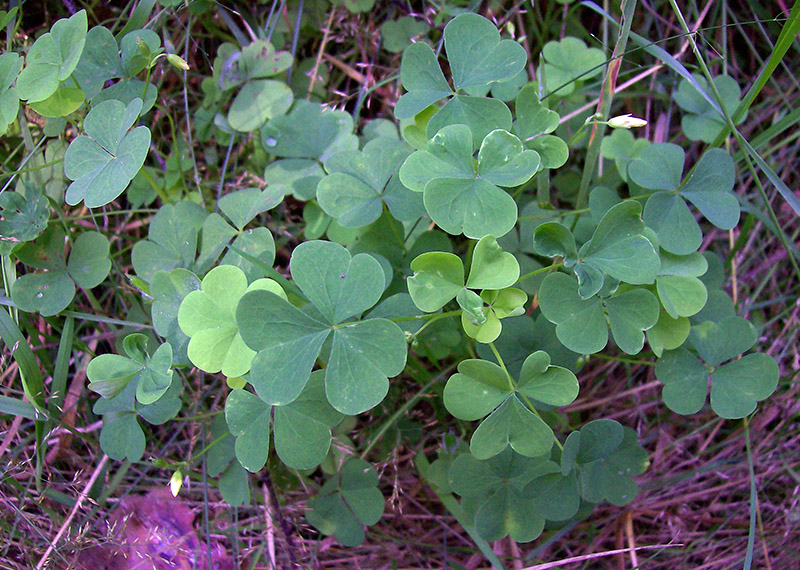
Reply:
x=604 y=106
x=538 y=271
x=403 y=409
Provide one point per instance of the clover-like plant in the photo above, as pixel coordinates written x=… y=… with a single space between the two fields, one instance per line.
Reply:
x=463 y=195
x=348 y=500
x=288 y=340
x=49 y=292
x=659 y=168
x=104 y=161
x=480 y=388
x=736 y=387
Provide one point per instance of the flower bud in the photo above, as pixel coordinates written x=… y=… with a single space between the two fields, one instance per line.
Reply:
x=176 y=482
x=177 y=61
x=626 y=122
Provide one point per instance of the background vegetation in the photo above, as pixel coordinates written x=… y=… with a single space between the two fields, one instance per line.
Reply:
x=718 y=493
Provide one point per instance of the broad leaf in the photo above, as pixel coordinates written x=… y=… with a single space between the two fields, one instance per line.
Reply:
x=702 y=121
x=52 y=58
x=582 y=324
x=481 y=387
x=736 y=387
x=89 y=261
x=364 y=354
x=346 y=502
x=309 y=131
x=496 y=485
x=359 y=183
x=569 y=61
x=461 y=196
x=104 y=161
x=208 y=317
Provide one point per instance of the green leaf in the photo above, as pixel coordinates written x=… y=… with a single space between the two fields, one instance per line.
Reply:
x=168 y=290
x=718 y=342
x=100 y=61
x=491 y=267
x=10 y=64
x=172 y=239
x=339 y=285
x=606 y=470
x=736 y=387
x=397 y=34
x=710 y=187
x=52 y=58
x=482 y=115
x=481 y=388
x=669 y=216
x=109 y=374
x=629 y=315
x=477 y=55
x=155 y=379
x=360 y=182
x=309 y=131
x=258 y=245
x=151 y=377
x=126 y=91
x=122 y=437
x=47 y=293
x=245 y=204
x=363 y=356
x=622 y=148
x=64 y=101
x=503 y=161
x=551 y=385
x=363 y=353
x=22 y=218
x=569 y=61
x=346 y=502
x=137 y=48
x=533 y=117
x=659 y=167
x=437 y=279
x=581 y=323
x=496 y=485
x=258 y=101
x=702 y=121
x=668 y=333
x=460 y=196
x=216 y=233
x=303 y=428
x=556 y=496
x=423 y=80
x=298 y=176
x=619 y=248
x=248 y=420
x=208 y=317
x=103 y=163
x=89 y=262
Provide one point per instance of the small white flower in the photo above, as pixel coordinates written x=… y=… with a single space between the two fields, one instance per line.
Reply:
x=626 y=122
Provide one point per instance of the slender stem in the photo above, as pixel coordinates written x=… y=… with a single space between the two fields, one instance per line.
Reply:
x=403 y=409
x=538 y=271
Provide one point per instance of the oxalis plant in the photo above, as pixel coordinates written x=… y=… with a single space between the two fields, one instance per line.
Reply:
x=447 y=269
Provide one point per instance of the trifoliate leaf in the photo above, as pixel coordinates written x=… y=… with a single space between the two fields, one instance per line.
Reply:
x=346 y=502
x=208 y=317
x=104 y=161
x=52 y=58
